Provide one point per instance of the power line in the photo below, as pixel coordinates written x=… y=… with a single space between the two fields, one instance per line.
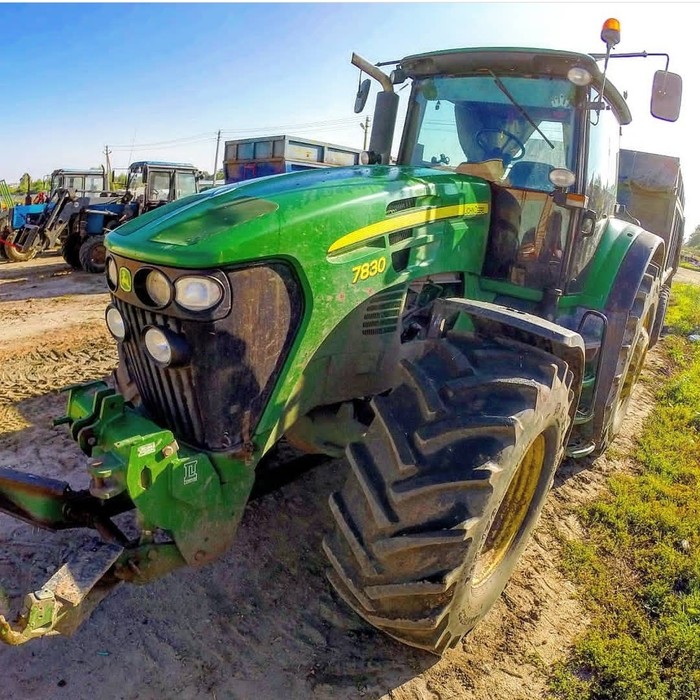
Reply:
x=211 y=136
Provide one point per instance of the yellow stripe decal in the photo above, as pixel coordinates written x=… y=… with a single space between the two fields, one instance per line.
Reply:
x=404 y=221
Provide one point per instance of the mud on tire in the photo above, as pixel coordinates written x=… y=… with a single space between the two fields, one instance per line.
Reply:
x=446 y=487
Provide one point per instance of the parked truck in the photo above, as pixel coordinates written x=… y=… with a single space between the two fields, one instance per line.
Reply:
x=245 y=159
x=650 y=187
x=448 y=327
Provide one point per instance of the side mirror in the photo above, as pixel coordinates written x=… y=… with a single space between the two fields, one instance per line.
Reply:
x=362 y=94
x=666 y=92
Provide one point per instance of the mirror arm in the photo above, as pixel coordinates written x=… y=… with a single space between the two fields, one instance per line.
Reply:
x=373 y=71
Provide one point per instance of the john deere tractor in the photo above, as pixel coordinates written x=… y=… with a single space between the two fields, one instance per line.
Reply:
x=449 y=326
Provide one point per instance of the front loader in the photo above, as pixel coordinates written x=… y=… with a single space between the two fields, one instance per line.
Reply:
x=449 y=326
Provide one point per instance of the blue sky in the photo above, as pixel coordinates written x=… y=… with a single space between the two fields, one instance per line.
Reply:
x=79 y=76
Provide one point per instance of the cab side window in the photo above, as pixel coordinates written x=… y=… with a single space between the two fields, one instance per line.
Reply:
x=601 y=183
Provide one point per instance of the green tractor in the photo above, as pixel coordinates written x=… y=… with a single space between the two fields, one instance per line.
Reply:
x=449 y=326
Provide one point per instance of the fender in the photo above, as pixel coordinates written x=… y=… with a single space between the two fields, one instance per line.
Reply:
x=494 y=320
x=595 y=287
x=646 y=251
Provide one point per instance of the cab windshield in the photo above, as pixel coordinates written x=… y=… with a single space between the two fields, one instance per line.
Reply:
x=511 y=130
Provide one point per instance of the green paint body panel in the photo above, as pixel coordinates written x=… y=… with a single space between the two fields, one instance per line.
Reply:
x=616 y=240
x=297 y=218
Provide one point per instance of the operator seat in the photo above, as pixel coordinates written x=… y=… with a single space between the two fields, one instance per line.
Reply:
x=531 y=175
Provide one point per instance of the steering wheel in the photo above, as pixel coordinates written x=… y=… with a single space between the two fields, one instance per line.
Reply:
x=435 y=160
x=500 y=151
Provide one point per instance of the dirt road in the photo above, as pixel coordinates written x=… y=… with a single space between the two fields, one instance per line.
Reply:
x=262 y=622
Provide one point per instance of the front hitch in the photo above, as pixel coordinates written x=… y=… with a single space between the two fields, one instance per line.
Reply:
x=67 y=598
x=193 y=499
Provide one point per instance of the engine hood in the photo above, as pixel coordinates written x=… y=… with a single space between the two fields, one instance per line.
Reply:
x=300 y=215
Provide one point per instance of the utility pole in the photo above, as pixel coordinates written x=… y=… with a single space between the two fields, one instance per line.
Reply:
x=108 y=168
x=216 y=157
x=365 y=127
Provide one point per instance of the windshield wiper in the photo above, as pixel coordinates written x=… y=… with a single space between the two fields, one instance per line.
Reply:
x=505 y=91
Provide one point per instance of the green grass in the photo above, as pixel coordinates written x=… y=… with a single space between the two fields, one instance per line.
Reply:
x=638 y=571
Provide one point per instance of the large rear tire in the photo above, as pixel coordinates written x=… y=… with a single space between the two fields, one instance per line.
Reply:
x=70 y=250
x=612 y=398
x=631 y=359
x=660 y=317
x=446 y=487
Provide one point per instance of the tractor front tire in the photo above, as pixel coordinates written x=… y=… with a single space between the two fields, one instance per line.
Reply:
x=70 y=250
x=15 y=255
x=447 y=485
x=92 y=254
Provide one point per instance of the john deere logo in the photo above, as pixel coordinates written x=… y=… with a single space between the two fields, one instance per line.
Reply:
x=124 y=279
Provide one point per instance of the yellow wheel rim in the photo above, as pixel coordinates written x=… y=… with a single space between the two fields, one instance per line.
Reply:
x=511 y=513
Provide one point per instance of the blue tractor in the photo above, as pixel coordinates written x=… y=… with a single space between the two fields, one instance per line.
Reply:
x=84 y=183
x=78 y=220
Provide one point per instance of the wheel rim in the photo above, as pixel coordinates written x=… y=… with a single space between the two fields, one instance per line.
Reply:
x=98 y=256
x=511 y=513
x=631 y=376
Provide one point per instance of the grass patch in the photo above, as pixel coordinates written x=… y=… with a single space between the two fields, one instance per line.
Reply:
x=638 y=571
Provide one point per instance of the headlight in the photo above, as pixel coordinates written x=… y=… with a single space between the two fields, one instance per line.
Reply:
x=198 y=293
x=158 y=288
x=112 y=273
x=561 y=177
x=115 y=323
x=158 y=346
x=579 y=76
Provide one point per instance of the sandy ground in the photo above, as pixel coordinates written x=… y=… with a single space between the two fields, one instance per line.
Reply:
x=261 y=622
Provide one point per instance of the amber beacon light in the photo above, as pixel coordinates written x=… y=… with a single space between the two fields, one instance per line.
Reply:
x=610 y=33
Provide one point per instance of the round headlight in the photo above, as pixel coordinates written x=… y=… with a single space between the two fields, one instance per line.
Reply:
x=198 y=293
x=158 y=346
x=115 y=323
x=579 y=76
x=561 y=177
x=112 y=273
x=158 y=288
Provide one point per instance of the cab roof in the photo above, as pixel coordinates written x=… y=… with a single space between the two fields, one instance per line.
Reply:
x=161 y=164
x=515 y=61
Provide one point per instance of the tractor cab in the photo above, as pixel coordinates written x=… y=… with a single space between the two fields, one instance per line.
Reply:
x=83 y=183
x=542 y=127
x=153 y=183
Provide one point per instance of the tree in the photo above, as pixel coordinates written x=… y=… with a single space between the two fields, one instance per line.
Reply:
x=694 y=240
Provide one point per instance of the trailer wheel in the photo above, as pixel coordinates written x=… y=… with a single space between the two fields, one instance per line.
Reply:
x=660 y=317
x=92 y=254
x=14 y=254
x=446 y=487
x=70 y=250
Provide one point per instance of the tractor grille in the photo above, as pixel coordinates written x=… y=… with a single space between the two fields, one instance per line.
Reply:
x=214 y=400
x=167 y=393
x=382 y=314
